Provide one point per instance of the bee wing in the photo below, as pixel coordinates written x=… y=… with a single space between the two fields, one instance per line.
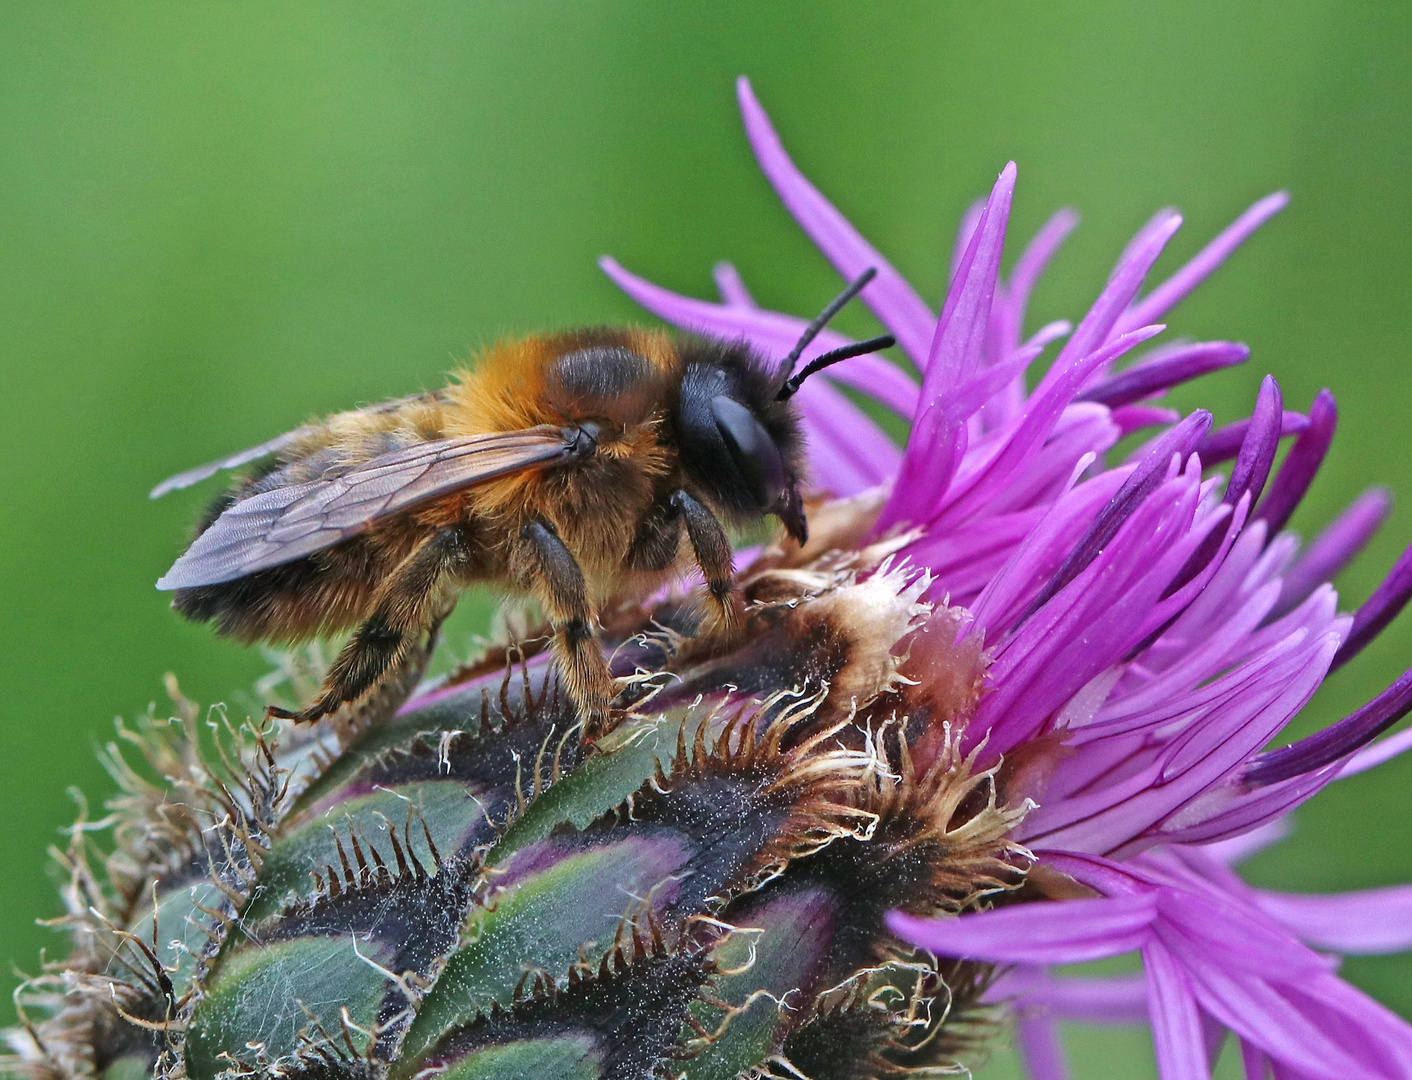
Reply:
x=234 y=461
x=279 y=442
x=287 y=523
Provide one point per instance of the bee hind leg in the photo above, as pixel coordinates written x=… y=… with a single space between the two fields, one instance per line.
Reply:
x=408 y=604
x=545 y=565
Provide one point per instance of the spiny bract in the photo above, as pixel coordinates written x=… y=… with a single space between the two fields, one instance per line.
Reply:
x=463 y=889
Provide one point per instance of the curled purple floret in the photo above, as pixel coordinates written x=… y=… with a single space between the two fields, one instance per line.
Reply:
x=1337 y=741
x=1161 y=373
x=1387 y=601
x=1257 y=451
x=1225 y=442
x=1301 y=464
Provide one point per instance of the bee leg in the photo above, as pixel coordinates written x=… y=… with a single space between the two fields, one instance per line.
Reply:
x=407 y=603
x=713 y=554
x=654 y=548
x=545 y=565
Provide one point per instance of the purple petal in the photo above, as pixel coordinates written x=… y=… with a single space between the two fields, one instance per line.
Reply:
x=1064 y=932
x=1215 y=1037
x=1367 y=922
x=1250 y=942
x=1334 y=548
x=731 y=286
x=1008 y=322
x=1164 y=697
x=1317 y=615
x=1093 y=622
x=1100 y=874
x=989 y=381
x=1040 y=1048
x=980 y=543
x=1163 y=298
x=967 y=497
x=1253 y=1061
x=1076 y=436
x=1387 y=601
x=897 y=307
x=1112 y=999
x=935 y=447
x=1035 y=258
x=770 y=333
x=1224 y=443
x=1239 y=848
x=1378 y=753
x=938 y=436
x=1248 y=707
x=965 y=229
x=1257 y=451
x=1165 y=868
x=1325 y=747
x=1180 y=592
x=1259 y=1013
x=1300 y=464
x=1245 y=971
x=1130 y=418
x=957 y=345
x=1050 y=331
x=1135 y=489
x=1175 y=366
x=1252 y=467
x=1098 y=325
x=1242 y=579
x=1039 y=553
x=848 y=453
x=1373 y=1032
x=1232 y=808
x=1177 y=1035
x=1287 y=696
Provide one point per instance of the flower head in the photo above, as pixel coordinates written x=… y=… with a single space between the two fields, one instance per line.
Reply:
x=1148 y=629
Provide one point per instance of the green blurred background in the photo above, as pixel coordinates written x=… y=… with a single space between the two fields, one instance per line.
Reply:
x=217 y=219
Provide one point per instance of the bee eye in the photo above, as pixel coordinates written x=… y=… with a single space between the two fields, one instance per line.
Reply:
x=751 y=449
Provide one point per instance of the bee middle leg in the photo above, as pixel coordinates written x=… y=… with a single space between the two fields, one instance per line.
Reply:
x=546 y=566
x=408 y=603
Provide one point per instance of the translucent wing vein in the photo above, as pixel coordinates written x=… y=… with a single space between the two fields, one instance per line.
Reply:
x=287 y=523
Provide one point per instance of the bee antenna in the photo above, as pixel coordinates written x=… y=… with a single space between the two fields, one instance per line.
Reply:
x=812 y=330
x=858 y=348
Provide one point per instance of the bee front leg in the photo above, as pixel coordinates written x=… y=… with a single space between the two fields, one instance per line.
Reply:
x=406 y=604
x=546 y=566
x=713 y=554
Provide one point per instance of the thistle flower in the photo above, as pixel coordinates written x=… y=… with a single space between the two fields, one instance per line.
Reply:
x=1007 y=710
x=1148 y=630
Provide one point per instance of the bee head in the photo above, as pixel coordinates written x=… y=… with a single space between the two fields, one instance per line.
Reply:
x=740 y=435
x=740 y=445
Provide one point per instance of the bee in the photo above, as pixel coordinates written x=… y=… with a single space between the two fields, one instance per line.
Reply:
x=565 y=466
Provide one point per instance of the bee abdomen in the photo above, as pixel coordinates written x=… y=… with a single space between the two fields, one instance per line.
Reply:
x=296 y=601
